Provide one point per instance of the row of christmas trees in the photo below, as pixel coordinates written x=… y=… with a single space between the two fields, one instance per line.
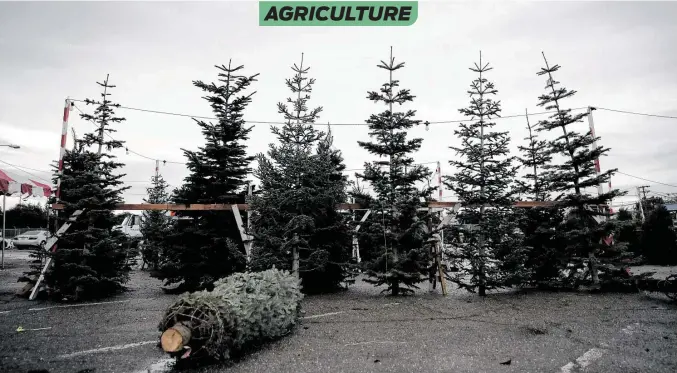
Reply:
x=294 y=221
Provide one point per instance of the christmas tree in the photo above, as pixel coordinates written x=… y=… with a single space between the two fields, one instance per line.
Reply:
x=490 y=255
x=91 y=259
x=155 y=224
x=545 y=252
x=659 y=241
x=204 y=246
x=400 y=259
x=296 y=225
x=585 y=229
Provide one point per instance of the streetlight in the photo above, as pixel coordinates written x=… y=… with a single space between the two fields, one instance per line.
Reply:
x=11 y=146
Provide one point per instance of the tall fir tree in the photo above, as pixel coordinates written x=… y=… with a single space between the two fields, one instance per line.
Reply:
x=490 y=255
x=545 y=255
x=204 y=246
x=535 y=156
x=155 y=224
x=401 y=251
x=91 y=258
x=570 y=180
x=301 y=185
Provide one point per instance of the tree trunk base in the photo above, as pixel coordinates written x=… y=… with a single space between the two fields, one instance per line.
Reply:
x=176 y=337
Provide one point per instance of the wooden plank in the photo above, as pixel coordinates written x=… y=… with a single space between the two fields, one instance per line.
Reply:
x=246 y=239
x=48 y=246
x=245 y=206
x=170 y=207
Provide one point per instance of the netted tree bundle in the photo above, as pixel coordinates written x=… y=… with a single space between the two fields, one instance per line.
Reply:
x=243 y=311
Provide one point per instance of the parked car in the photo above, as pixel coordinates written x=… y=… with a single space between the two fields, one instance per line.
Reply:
x=36 y=238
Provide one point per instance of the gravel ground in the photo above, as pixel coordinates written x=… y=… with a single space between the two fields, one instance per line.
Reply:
x=357 y=331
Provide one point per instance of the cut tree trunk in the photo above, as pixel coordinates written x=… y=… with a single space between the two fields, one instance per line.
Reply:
x=176 y=338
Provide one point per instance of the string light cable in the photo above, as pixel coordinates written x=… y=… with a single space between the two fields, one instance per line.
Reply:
x=323 y=124
x=127 y=148
x=427 y=123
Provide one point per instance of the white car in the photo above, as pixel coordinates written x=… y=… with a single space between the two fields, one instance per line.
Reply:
x=36 y=238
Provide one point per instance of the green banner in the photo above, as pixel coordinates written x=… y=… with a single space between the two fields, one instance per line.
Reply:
x=337 y=13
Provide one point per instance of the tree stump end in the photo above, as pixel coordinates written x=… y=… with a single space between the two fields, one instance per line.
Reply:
x=175 y=338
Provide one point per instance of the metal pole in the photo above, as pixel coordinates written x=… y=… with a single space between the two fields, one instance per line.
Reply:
x=68 y=106
x=4 y=200
x=641 y=208
x=62 y=150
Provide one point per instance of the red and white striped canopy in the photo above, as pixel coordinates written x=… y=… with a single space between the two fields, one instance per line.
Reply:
x=12 y=183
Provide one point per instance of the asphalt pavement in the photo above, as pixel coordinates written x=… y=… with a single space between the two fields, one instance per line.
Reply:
x=358 y=330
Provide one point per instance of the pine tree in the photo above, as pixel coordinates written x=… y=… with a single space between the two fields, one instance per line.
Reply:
x=545 y=258
x=490 y=253
x=205 y=246
x=535 y=157
x=26 y=216
x=659 y=241
x=301 y=183
x=629 y=230
x=569 y=180
x=401 y=257
x=91 y=259
x=155 y=224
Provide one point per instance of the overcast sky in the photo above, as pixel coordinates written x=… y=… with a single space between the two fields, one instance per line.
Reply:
x=617 y=55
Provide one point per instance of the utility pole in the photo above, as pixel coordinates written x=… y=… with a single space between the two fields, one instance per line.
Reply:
x=641 y=207
x=643 y=188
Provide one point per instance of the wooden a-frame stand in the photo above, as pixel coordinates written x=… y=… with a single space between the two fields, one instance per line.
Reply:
x=246 y=238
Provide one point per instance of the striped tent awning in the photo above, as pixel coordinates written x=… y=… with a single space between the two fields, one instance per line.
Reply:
x=12 y=183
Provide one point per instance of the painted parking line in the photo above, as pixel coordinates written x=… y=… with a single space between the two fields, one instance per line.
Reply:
x=78 y=305
x=323 y=315
x=105 y=349
x=593 y=354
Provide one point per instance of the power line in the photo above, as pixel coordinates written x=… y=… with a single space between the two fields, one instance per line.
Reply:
x=636 y=113
x=36 y=170
x=22 y=170
x=651 y=181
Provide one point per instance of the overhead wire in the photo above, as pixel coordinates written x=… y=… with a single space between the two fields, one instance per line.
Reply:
x=20 y=168
x=651 y=181
x=636 y=113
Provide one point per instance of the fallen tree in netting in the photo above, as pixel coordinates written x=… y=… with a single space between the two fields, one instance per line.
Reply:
x=243 y=311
